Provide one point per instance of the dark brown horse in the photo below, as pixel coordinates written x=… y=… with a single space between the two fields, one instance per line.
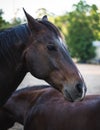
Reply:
x=44 y=108
x=37 y=47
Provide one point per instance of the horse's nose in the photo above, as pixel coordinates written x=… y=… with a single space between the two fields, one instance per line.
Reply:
x=75 y=92
x=79 y=87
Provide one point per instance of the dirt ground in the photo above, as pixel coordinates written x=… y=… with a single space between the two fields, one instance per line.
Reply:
x=91 y=74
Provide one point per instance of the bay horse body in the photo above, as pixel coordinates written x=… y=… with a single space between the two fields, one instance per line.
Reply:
x=37 y=47
x=44 y=108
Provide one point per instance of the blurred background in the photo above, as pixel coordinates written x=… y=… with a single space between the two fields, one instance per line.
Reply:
x=79 y=22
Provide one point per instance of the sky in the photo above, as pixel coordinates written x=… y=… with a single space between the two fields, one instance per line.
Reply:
x=13 y=8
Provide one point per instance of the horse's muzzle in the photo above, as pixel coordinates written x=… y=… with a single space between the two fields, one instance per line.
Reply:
x=76 y=93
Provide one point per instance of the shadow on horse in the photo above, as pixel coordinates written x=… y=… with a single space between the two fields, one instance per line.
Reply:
x=37 y=47
x=43 y=107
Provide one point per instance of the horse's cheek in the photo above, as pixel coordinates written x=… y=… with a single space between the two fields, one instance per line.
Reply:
x=29 y=60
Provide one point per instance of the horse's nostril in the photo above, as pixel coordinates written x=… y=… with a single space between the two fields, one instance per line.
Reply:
x=79 y=87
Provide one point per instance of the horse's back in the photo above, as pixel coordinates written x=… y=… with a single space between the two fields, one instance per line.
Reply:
x=49 y=110
x=52 y=111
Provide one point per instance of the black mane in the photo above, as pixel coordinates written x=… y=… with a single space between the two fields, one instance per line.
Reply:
x=12 y=37
x=19 y=34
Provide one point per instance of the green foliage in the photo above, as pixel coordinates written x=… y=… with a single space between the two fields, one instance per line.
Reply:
x=80 y=37
x=42 y=11
x=15 y=21
x=80 y=41
x=94 y=17
x=81 y=30
x=61 y=22
x=4 y=24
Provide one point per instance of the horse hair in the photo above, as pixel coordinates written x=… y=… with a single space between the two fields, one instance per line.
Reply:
x=19 y=34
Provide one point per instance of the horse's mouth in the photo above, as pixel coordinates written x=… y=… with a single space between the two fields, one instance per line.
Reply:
x=72 y=97
x=68 y=96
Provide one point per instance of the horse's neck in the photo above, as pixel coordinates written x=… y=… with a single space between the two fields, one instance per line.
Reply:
x=12 y=69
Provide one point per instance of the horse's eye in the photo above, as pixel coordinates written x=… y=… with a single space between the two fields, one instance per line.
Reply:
x=52 y=48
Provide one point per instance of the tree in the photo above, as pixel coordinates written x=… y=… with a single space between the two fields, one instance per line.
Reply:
x=15 y=21
x=80 y=34
x=80 y=27
x=94 y=17
x=3 y=23
x=42 y=11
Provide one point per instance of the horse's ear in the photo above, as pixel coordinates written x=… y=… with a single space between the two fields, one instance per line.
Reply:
x=33 y=24
x=45 y=18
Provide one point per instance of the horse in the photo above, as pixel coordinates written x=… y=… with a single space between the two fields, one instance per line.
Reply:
x=45 y=108
x=37 y=47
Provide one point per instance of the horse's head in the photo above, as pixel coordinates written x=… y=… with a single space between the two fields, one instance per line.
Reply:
x=47 y=58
